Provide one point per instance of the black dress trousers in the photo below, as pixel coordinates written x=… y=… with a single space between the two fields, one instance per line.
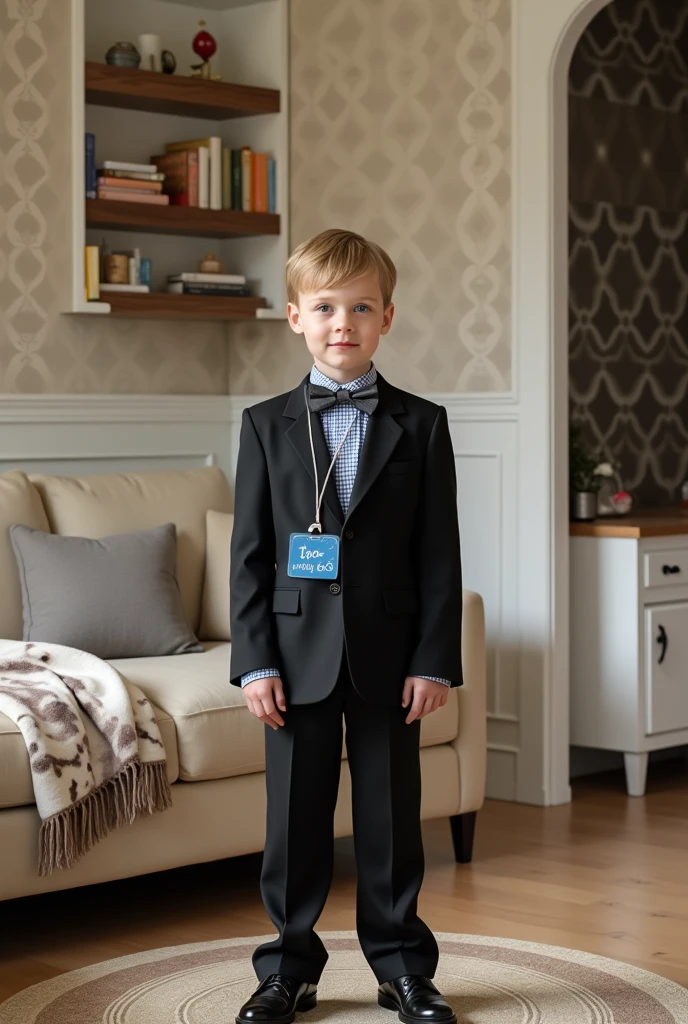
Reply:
x=303 y=762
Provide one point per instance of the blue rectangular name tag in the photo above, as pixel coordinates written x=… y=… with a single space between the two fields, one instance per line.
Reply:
x=313 y=556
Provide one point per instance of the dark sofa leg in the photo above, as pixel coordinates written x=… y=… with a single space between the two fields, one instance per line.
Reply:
x=463 y=831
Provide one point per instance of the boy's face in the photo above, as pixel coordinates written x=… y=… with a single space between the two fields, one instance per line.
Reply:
x=342 y=326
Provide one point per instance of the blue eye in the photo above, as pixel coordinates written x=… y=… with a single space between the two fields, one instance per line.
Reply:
x=362 y=306
x=320 y=308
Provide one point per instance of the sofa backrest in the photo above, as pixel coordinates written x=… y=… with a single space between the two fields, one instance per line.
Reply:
x=20 y=502
x=101 y=505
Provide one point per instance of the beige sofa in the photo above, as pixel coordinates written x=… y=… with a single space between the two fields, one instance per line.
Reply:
x=214 y=747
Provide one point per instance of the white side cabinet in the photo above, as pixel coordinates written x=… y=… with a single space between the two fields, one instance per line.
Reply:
x=629 y=644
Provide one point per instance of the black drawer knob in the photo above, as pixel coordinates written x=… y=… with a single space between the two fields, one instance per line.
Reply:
x=671 y=570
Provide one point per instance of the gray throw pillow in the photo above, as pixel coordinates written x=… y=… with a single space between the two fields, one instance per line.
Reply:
x=116 y=597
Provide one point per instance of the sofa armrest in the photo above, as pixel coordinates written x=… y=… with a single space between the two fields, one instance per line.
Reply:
x=471 y=741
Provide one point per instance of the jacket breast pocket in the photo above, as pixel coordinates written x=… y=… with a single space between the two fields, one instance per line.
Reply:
x=400 y=601
x=286 y=601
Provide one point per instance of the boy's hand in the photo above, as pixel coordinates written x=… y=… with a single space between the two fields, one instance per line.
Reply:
x=263 y=699
x=424 y=696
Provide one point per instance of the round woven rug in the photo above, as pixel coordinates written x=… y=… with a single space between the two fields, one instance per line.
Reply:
x=502 y=981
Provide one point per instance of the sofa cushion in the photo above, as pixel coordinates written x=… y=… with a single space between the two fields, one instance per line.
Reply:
x=114 y=597
x=20 y=502
x=215 y=603
x=16 y=789
x=102 y=505
x=217 y=736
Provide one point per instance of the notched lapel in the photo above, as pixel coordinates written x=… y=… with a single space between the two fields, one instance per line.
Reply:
x=299 y=438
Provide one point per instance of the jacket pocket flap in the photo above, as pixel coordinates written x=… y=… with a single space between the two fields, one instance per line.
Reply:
x=400 y=602
x=286 y=601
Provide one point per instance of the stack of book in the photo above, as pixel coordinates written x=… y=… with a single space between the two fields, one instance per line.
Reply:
x=206 y=174
x=193 y=283
x=133 y=183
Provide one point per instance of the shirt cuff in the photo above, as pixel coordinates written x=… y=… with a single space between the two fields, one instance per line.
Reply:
x=436 y=679
x=259 y=673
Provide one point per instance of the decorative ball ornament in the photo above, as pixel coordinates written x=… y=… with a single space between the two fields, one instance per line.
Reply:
x=204 y=44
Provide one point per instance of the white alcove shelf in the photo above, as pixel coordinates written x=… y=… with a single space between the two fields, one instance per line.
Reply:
x=134 y=113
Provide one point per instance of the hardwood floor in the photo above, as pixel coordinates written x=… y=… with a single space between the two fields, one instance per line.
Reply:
x=606 y=874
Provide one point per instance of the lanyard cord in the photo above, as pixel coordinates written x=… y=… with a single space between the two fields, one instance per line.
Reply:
x=320 y=494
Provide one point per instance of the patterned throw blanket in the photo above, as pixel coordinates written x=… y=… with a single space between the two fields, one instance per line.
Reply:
x=96 y=754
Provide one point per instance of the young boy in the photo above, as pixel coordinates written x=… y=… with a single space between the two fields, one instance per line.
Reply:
x=356 y=618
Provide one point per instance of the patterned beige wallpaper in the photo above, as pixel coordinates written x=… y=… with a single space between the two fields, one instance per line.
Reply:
x=400 y=129
x=40 y=349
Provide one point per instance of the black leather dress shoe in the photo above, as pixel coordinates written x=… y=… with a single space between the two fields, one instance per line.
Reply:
x=416 y=999
x=276 y=1001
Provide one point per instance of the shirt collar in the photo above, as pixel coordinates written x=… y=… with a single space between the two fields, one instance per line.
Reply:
x=361 y=382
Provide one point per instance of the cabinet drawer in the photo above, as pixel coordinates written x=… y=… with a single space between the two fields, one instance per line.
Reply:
x=666 y=568
x=666 y=667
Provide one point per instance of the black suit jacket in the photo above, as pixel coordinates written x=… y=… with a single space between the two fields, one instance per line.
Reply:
x=396 y=606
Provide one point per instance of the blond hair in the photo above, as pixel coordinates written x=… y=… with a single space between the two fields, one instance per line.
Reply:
x=335 y=257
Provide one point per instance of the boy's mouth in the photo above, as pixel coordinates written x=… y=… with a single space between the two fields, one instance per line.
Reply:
x=343 y=344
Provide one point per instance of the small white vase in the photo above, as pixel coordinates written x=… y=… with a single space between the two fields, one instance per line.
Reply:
x=150 y=48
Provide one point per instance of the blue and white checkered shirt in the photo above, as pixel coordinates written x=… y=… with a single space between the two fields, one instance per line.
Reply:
x=335 y=422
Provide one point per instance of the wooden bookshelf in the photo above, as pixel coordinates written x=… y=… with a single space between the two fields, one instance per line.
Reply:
x=120 y=215
x=252 y=47
x=165 y=306
x=134 y=89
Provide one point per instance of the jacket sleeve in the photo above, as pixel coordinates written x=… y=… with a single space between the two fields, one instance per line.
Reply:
x=437 y=552
x=252 y=572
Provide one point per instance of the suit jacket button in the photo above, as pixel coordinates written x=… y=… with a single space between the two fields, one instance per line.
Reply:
x=334 y=588
x=349 y=534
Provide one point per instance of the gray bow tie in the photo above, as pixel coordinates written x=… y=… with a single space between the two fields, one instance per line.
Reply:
x=365 y=399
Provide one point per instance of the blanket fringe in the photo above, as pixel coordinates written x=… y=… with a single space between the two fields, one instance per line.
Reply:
x=136 y=791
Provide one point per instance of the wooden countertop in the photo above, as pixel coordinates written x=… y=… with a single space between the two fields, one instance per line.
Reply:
x=652 y=522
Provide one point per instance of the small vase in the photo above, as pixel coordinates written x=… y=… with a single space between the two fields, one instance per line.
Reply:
x=584 y=505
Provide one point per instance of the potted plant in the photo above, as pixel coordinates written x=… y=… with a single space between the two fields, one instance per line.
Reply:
x=584 y=482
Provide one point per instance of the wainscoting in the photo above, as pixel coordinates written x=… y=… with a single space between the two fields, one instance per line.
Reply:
x=75 y=434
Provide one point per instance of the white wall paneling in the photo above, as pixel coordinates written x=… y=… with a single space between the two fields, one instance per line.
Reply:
x=73 y=434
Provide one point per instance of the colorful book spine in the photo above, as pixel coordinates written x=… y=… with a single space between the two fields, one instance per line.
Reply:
x=129 y=183
x=146 y=271
x=204 y=277
x=91 y=188
x=237 y=291
x=215 y=172
x=136 y=175
x=122 y=165
x=236 y=180
x=226 y=179
x=133 y=197
x=91 y=272
x=260 y=183
x=124 y=192
x=272 y=185
x=246 y=179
